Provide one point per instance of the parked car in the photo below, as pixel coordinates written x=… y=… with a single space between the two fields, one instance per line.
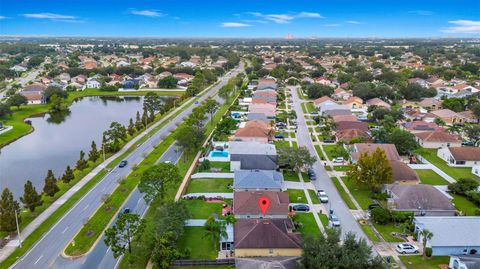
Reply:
x=322 y=196
x=339 y=160
x=301 y=207
x=334 y=220
x=311 y=174
x=328 y=141
x=281 y=124
x=280 y=136
x=405 y=248
x=123 y=164
x=468 y=143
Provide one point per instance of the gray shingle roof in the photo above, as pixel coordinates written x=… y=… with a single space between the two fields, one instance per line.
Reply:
x=255 y=148
x=257 y=179
x=452 y=231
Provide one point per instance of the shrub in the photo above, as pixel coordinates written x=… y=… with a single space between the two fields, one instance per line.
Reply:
x=463 y=185
x=381 y=215
x=205 y=165
x=383 y=196
x=402 y=216
x=428 y=252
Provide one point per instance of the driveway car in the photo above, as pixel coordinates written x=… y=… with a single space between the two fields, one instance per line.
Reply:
x=339 y=160
x=405 y=248
x=123 y=164
x=301 y=207
x=334 y=220
x=322 y=196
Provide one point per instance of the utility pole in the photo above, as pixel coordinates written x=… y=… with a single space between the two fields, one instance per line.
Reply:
x=103 y=149
x=18 y=230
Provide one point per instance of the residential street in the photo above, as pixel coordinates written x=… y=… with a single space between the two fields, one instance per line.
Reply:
x=46 y=252
x=323 y=182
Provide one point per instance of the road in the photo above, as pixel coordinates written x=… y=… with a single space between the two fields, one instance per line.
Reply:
x=323 y=182
x=24 y=80
x=46 y=252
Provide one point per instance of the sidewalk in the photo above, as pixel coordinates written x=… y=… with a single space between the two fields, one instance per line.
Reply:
x=428 y=165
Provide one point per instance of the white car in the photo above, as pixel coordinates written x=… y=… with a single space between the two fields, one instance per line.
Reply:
x=322 y=196
x=406 y=248
x=339 y=160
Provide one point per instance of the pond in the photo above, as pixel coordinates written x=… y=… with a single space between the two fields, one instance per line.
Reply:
x=58 y=138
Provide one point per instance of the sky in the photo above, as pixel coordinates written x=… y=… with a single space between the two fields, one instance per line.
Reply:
x=246 y=18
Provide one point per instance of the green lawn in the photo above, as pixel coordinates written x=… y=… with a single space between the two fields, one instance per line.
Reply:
x=369 y=232
x=210 y=185
x=313 y=196
x=455 y=172
x=202 y=210
x=463 y=204
x=308 y=224
x=329 y=151
x=343 y=194
x=200 y=247
x=323 y=219
x=428 y=176
x=279 y=144
x=319 y=152
x=297 y=196
x=417 y=261
x=340 y=167
x=290 y=176
x=386 y=230
x=360 y=193
x=224 y=166
x=310 y=107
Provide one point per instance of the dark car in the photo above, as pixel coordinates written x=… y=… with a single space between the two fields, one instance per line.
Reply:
x=328 y=141
x=123 y=164
x=304 y=208
x=311 y=174
x=126 y=210
x=468 y=143
x=280 y=136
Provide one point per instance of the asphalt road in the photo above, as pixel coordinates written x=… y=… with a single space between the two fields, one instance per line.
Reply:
x=323 y=182
x=46 y=252
x=23 y=80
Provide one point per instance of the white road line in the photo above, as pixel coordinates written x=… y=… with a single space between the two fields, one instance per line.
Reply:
x=65 y=229
x=38 y=259
x=85 y=208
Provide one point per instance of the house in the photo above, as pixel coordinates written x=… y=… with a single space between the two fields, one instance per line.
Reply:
x=341 y=94
x=418 y=115
x=122 y=63
x=420 y=81
x=409 y=104
x=18 y=68
x=348 y=130
x=258 y=180
x=35 y=87
x=324 y=100
x=451 y=235
x=130 y=83
x=354 y=103
x=438 y=139
x=92 y=83
x=431 y=103
x=326 y=107
x=378 y=102
x=33 y=98
x=460 y=156
x=476 y=170
x=254 y=130
x=80 y=79
x=468 y=116
x=268 y=109
x=90 y=64
x=464 y=262
x=448 y=116
x=245 y=204
x=266 y=238
x=421 y=199
x=340 y=118
x=258 y=116
x=415 y=127
x=252 y=155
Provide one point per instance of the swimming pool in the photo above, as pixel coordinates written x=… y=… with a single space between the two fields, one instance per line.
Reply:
x=218 y=153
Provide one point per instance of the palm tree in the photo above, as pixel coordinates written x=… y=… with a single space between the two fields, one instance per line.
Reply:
x=426 y=235
x=454 y=129
x=215 y=229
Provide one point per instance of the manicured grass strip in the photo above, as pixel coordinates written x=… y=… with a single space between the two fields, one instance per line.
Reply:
x=418 y=262
x=200 y=246
x=313 y=196
x=463 y=204
x=320 y=153
x=360 y=193
x=428 y=176
x=199 y=185
x=455 y=172
x=343 y=194
x=308 y=225
x=369 y=232
x=297 y=196
x=324 y=219
x=386 y=232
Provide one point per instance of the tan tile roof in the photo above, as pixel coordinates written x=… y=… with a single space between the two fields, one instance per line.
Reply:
x=444 y=113
x=465 y=153
x=323 y=99
x=369 y=148
x=246 y=202
x=402 y=172
x=348 y=125
x=438 y=136
x=340 y=118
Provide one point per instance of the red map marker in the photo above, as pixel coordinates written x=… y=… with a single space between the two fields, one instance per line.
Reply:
x=264 y=204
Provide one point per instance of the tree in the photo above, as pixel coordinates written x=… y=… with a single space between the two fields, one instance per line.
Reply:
x=463 y=185
x=56 y=104
x=164 y=252
x=114 y=135
x=152 y=102
x=68 y=175
x=17 y=100
x=316 y=90
x=473 y=132
x=475 y=109
x=156 y=179
x=168 y=82
x=53 y=90
x=211 y=106
x=50 y=187
x=138 y=122
x=119 y=237
x=454 y=104
x=371 y=170
x=426 y=236
x=131 y=127
x=8 y=206
x=82 y=163
x=296 y=158
x=31 y=198
x=93 y=155
x=327 y=252
x=404 y=141
x=215 y=229
x=190 y=139
x=439 y=122
x=5 y=110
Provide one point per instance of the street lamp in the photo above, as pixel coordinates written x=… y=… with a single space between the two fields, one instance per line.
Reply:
x=18 y=230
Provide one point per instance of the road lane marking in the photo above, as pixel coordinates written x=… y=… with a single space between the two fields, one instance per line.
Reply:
x=38 y=259
x=65 y=229
x=85 y=208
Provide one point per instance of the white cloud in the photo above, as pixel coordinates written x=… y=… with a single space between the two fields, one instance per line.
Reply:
x=3 y=17
x=234 y=24
x=146 y=13
x=353 y=22
x=463 y=27
x=52 y=16
x=309 y=15
x=285 y=18
x=332 y=25
x=422 y=12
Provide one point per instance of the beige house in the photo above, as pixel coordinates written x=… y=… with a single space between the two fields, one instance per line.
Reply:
x=448 y=116
x=437 y=139
x=460 y=156
x=354 y=102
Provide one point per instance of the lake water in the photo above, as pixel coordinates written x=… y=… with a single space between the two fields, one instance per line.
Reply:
x=58 y=139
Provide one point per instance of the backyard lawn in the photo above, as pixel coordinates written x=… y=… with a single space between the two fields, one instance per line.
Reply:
x=343 y=194
x=463 y=204
x=202 y=210
x=200 y=247
x=224 y=166
x=428 y=176
x=198 y=185
x=386 y=230
x=297 y=196
x=360 y=193
x=308 y=224
x=455 y=172
x=417 y=261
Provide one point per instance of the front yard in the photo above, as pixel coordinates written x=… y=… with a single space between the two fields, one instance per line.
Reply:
x=202 y=185
x=297 y=196
x=417 y=261
x=387 y=230
x=308 y=224
x=361 y=193
x=428 y=176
